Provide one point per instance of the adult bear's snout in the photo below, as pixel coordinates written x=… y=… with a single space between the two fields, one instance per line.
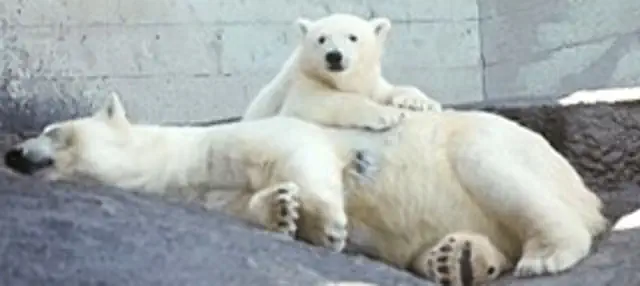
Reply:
x=19 y=160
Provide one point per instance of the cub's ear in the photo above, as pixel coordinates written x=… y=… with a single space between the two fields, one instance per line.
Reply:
x=112 y=109
x=381 y=26
x=304 y=25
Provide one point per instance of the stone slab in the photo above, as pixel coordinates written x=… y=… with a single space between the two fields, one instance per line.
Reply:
x=541 y=48
x=146 y=12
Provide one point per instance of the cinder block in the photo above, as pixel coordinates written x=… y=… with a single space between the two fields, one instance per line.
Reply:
x=426 y=11
x=81 y=12
x=101 y=12
x=273 y=11
x=150 y=12
x=285 y=11
x=255 y=49
x=175 y=99
x=69 y=12
x=125 y=50
x=447 y=85
x=420 y=45
x=433 y=45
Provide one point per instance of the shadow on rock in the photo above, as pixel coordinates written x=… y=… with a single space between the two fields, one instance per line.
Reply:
x=64 y=234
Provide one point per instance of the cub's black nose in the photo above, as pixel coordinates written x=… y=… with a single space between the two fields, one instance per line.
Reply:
x=333 y=57
x=16 y=160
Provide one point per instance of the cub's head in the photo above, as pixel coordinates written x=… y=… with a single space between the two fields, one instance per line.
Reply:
x=341 y=44
x=85 y=147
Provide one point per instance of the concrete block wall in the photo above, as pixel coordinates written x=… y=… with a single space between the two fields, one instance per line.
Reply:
x=176 y=60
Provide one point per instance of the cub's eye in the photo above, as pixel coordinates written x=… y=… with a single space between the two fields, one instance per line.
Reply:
x=353 y=38
x=322 y=39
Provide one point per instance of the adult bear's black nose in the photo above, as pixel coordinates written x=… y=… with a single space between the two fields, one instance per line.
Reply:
x=17 y=160
x=333 y=57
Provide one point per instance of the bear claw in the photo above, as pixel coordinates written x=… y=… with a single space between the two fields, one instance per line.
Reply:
x=384 y=123
x=285 y=211
x=412 y=98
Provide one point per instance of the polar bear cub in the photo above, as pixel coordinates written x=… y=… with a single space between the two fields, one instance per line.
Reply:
x=460 y=196
x=334 y=78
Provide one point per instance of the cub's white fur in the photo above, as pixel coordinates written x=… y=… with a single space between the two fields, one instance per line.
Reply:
x=439 y=173
x=334 y=78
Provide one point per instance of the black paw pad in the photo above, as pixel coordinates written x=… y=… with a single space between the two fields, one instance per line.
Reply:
x=368 y=128
x=446 y=248
x=284 y=211
x=443 y=269
x=383 y=129
x=491 y=270
x=283 y=224
x=373 y=129
x=445 y=282
x=466 y=267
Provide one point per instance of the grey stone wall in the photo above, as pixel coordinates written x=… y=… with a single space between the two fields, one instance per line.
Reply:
x=182 y=60
x=550 y=47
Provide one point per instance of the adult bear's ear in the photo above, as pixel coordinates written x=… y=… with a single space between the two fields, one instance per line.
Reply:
x=304 y=25
x=381 y=27
x=112 y=109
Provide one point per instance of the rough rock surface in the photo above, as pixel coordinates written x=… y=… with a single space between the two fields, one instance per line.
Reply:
x=65 y=234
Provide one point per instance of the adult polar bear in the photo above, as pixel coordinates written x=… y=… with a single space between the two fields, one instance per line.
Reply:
x=334 y=78
x=457 y=192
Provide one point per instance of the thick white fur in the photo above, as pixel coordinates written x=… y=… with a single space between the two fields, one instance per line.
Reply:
x=358 y=96
x=439 y=173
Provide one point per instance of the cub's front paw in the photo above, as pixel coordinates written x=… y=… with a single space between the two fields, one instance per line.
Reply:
x=284 y=210
x=385 y=122
x=409 y=97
